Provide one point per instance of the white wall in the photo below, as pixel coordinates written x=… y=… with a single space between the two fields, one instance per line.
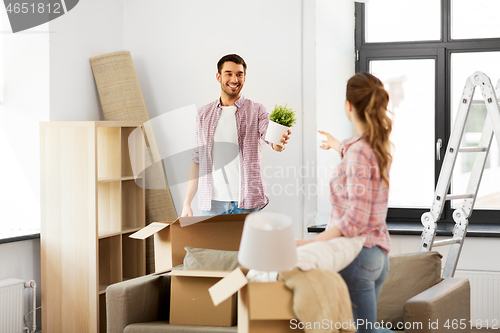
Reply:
x=25 y=92
x=91 y=28
x=335 y=65
x=478 y=253
x=302 y=58
x=309 y=111
x=176 y=47
x=24 y=86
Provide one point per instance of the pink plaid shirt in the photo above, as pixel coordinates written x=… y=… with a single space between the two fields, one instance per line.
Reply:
x=359 y=195
x=251 y=124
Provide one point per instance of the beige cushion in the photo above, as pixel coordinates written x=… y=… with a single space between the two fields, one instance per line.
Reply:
x=333 y=255
x=320 y=295
x=210 y=260
x=409 y=275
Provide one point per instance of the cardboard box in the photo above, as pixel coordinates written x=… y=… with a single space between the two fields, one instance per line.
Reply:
x=219 y=232
x=190 y=302
x=263 y=307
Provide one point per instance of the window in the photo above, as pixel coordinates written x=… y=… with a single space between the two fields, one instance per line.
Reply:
x=381 y=21
x=424 y=51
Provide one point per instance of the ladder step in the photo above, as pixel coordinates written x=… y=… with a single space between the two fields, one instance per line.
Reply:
x=446 y=242
x=473 y=149
x=459 y=196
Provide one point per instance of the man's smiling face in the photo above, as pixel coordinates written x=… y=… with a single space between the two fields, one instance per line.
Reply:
x=231 y=78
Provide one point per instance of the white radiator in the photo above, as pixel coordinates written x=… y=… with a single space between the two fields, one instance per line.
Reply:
x=485 y=297
x=11 y=306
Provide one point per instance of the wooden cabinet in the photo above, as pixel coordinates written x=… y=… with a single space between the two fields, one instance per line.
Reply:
x=91 y=203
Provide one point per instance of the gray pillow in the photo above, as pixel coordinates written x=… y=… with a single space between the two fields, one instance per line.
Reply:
x=210 y=260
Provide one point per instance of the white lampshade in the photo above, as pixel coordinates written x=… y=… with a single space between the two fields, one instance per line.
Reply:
x=267 y=243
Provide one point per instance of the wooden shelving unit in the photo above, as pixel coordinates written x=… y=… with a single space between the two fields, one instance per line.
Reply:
x=91 y=203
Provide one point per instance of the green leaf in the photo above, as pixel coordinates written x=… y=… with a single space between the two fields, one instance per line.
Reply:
x=283 y=115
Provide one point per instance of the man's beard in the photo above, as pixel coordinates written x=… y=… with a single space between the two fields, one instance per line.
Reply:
x=227 y=90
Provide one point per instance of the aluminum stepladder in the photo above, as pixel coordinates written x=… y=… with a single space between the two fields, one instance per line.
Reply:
x=461 y=215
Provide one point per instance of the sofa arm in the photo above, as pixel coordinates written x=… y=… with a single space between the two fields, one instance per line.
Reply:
x=142 y=299
x=447 y=302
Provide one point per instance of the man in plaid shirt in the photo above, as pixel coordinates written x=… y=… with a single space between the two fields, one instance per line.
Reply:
x=225 y=165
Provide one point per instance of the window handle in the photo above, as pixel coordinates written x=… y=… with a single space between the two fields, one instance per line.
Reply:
x=439 y=144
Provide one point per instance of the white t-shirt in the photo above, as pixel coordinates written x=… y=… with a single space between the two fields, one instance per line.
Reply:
x=226 y=158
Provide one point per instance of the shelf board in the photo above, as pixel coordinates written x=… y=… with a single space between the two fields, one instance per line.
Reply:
x=109 y=180
x=118 y=123
x=129 y=230
x=125 y=230
x=106 y=234
x=117 y=179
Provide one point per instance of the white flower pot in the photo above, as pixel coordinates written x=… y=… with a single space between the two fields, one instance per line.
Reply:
x=275 y=132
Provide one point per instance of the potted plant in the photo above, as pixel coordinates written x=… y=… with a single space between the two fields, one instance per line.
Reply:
x=281 y=120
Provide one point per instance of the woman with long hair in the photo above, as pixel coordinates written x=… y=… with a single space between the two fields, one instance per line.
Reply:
x=359 y=194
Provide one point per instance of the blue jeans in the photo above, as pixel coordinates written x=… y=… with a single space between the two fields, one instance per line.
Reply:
x=227 y=207
x=364 y=278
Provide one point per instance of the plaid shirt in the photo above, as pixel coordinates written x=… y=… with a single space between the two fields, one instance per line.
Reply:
x=359 y=195
x=251 y=125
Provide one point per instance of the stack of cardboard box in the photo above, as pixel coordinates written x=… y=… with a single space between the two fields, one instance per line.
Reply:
x=260 y=307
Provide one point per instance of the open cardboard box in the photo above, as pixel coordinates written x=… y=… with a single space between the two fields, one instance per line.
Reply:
x=190 y=302
x=263 y=307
